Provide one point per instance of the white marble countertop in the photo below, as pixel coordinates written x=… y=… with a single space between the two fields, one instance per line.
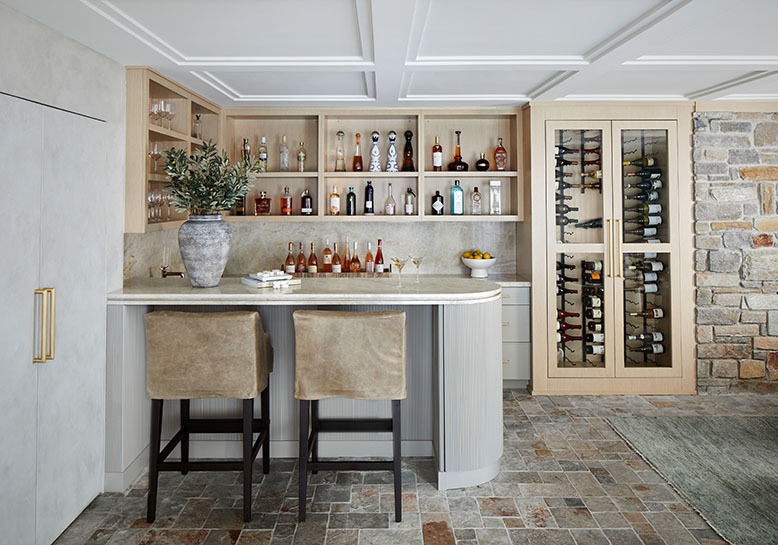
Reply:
x=509 y=280
x=431 y=290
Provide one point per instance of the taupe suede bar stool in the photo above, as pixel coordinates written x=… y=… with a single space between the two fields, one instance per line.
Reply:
x=208 y=355
x=368 y=364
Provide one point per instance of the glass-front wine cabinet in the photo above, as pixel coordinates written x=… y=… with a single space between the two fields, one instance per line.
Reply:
x=611 y=210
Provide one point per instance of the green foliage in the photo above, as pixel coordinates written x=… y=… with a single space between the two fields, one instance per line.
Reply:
x=205 y=182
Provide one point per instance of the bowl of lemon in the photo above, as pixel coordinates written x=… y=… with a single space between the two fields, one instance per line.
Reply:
x=478 y=262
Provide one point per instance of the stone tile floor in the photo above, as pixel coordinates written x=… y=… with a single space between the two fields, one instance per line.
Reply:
x=566 y=479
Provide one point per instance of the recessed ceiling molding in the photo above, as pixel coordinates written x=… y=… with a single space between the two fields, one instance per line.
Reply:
x=750 y=96
x=701 y=60
x=467 y=98
x=499 y=60
x=622 y=97
x=149 y=38
x=234 y=95
x=550 y=83
x=734 y=82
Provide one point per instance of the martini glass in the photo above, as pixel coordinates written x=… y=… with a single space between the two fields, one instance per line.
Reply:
x=400 y=264
x=417 y=262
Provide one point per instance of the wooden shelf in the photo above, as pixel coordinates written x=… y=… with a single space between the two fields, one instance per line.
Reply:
x=472 y=174
x=371 y=175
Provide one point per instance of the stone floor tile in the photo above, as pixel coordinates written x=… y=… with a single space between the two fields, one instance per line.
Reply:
x=390 y=537
x=622 y=537
x=466 y=519
x=573 y=517
x=437 y=532
x=433 y=504
x=313 y=531
x=589 y=537
x=493 y=536
x=130 y=536
x=174 y=537
x=535 y=513
x=532 y=536
x=498 y=507
x=611 y=519
x=195 y=513
x=222 y=537
x=359 y=520
x=465 y=503
x=342 y=537
x=670 y=529
x=227 y=519
x=255 y=537
x=329 y=493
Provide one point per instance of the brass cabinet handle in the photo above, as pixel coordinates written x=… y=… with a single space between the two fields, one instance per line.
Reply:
x=44 y=324
x=52 y=320
x=608 y=243
x=48 y=320
x=506 y=324
x=506 y=361
x=618 y=250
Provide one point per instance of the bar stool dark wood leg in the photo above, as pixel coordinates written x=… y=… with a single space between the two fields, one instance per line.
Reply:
x=248 y=415
x=305 y=407
x=185 y=436
x=156 y=433
x=397 y=459
x=265 y=402
x=315 y=432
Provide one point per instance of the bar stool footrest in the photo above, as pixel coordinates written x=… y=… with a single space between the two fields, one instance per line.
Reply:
x=351 y=465
x=343 y=425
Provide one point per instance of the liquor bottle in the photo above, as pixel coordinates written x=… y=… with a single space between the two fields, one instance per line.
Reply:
x=375 y=154
x=286 y=203
x=594 y=326
x=437 y=155
x=595 y=337
x=262 y=204
x=262 y=155
x=595 y=174
x=560 y=266
x=645 y=288
x=593 y=313
x=653 y=348
x=301 y=154
x=369 y=207
x=356 y=162
x=564 y=220
x=326 y=257
x=336 y=265
x=562 y=314
x=482 y=164
x=564 y=326
x=246 y=151
x=649 y=313
x=390 y=206
x=313 y=263
x=334 y=201
x=645 y=220
x=646 y=208
x=369 y=261
x=595 y=349
x=647 y=184
x=646 y=173
x=562 y=150
x=642 y=162
x=289 y=263
x=351 y=202
x=283 y=155
x=197 y=127
x=340 y=154
x=592 y=265
x=391 y=154
x=562 y=162
x=647 y=265
x=457 y=199
x=645 y=197
x=306 y=203
x=355 y=266
x=240 y=207
x=654 y=336
x=500 y=156
x=408 y=153
x=458 y=164
x=564 y=209
x=590 y=224
x=475 y=202
x=563 y=197
x=299 y=266
x=495 y=198
x=410 y=202
x=437 y=204
x=346 y=261
x=379 y=257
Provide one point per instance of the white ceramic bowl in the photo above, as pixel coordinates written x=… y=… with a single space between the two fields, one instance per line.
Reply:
x=478 y=267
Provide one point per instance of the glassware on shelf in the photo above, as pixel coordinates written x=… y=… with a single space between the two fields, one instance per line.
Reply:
x=197 y=127
x=475 y=202
x=340 y=154
x=154 y=154
x=417 y=263
x=169 y=203
x=458 y=164
x=375 y=154
x=400 y=265
x=391 y=154
x=154 y=112
x=408 y=153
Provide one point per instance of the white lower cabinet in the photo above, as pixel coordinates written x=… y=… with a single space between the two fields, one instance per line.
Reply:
x=54 y=237
x=516 y=340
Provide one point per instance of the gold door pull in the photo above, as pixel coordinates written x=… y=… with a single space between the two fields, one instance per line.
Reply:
x=47 y=324
x=44 y=323
x=52 y=292
x=506 y=324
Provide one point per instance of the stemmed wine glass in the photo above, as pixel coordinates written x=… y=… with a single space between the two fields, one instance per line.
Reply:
x=417 y=262
x=150 y=202
x=159 y=200
x=170 y=113
x=155 y=154
x=154 y=112
x=400 y=264
x=168 y=199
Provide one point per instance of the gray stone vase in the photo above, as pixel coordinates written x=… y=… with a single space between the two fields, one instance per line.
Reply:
x=204 y=242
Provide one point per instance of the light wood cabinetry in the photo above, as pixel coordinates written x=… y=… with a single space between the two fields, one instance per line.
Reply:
x=147 y=91
x=612 y=251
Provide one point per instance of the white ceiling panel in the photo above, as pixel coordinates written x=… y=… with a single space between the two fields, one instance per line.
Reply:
x=483 y=82
x=270 y=84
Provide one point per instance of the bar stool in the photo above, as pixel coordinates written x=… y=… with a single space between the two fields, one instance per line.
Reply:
x=369 y=363
x=208 y=355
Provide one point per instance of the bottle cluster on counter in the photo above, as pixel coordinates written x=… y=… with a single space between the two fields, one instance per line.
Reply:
x=332 y=261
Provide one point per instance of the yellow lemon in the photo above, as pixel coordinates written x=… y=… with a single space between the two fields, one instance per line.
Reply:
x=467 y=255
x=479 y=256
x=487 y=255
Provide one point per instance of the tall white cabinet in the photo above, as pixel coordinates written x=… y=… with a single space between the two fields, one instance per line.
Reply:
x=53 y=223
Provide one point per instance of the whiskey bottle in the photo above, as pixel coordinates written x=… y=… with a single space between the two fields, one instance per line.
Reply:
x=286 y=203
x=369 y=206
x=355 y=266
x=379 y=257
x=289 y=263
x=482 y=165
x=356 y=162
x=410 y=202
x=326 y=257
x=437 y=204
x=475 y=202
x=458 y=164
x=642 y=162
x=369 y=260
x=340 y=154
x=299 y=266
x=649 y=313
x=306 y=203
x=336 y=265
x=313 y=263
x=283 y=155
x=408 y=153
x=262 y=204
x=262 y=155
x=351 y=202
x=500 y=156
x=390 y=206
x=437 y=155
x=240 y=206
x=457 y=199
x=301 y=154
x=334 y=201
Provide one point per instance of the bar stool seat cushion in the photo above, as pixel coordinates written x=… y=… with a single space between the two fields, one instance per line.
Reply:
x=370 y=365
x=206 y=354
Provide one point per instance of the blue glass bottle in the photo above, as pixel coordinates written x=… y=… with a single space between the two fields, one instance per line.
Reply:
x=457 y=199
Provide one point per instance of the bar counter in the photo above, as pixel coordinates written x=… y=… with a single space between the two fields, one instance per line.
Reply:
x=454 y=406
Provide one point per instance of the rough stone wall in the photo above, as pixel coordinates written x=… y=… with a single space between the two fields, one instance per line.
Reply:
x=736 y=257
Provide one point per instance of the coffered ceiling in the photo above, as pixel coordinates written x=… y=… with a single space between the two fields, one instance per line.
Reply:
x=395 y=53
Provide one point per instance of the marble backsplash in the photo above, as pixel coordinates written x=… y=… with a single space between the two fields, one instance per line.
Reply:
x=259 y=246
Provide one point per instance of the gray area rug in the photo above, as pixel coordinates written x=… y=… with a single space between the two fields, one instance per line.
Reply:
x=725 y=467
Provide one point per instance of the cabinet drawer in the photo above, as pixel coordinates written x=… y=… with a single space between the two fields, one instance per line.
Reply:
x=516 y=361
x=515 y=296
x=516 y=323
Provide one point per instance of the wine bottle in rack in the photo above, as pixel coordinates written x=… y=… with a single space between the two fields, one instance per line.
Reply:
x=562 y=278
x=561 y=197
x=561 y=290
x=567 y=337
x=646 y=184
x=590 y=224
x=656 y=313
x=564 y=326
x=645 y=196
x=591 y=265
x=646 y=173
x=564 y=209
x=644 y=232
x=562 y=314
x=595 y=349
x=564 y=220
x=642 y=162
x=597 y=291
x=561 y=162
x=560 y=266
x=653 y=336
x=561 y=174
x=646 y=208
x=647 y=265
x=596 y=174
x=645 y=288
x=595 y=337
x=653 y=348
x=592 y=151
x=595 y=327
x=593 y=301
x=593 y=313
x=562 y=150
x=644 y=277
x=645 y=220
x=588 y=162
